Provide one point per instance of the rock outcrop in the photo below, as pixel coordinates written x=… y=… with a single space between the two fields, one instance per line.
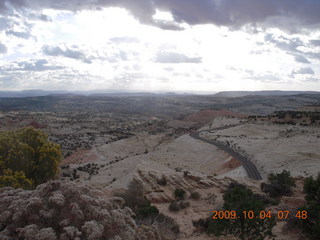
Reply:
x=159 y=186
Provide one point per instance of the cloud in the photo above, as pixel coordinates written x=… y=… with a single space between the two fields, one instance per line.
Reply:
x=171 y=57
x=44 y=18
x=24 y=35
x=232 y=13
x=3 y=48
x=167 y=25
x=124 y=40
x=169 y=69
x=301 y=59
x=68 y=53
x=284 y=43
x=294 y=46
x=39 y=65
x=32 y=65
x=5 y=23
x=303 y=71
x=263 y=77
x=120 y=56
x=315 y=42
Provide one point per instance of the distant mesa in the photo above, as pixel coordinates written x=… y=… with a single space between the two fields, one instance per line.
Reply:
x=94 y=93
x=261 y=93
x=28 y=93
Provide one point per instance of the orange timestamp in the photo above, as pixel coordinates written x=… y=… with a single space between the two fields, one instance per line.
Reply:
x=282 y=215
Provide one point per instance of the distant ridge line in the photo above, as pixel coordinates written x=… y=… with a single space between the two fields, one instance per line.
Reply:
x=261 y=93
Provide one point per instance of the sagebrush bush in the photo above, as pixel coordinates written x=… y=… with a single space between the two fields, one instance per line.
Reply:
x=62 y=210
x=166 y=226
x=146 y=214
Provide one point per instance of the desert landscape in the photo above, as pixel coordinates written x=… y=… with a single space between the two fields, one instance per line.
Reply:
x=176 y=144
x=159 y=120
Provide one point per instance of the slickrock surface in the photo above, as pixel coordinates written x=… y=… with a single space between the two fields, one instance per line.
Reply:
x=187 y=181
x=274 y=147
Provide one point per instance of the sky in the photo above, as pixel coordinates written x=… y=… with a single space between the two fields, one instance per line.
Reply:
x=160 y=45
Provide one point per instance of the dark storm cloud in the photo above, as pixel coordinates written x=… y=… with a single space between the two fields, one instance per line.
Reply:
x=233 y=13
x=68 y=53
x=171 y=57
x=3 y=49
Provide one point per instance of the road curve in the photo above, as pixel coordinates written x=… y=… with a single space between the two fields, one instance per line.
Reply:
x=247 y=164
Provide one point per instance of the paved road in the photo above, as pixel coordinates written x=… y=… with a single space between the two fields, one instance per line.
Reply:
x=247 y=164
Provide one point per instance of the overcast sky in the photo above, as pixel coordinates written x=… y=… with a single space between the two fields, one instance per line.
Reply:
x=170 y=45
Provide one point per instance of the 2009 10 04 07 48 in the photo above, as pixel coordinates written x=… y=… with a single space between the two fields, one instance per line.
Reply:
x=226 y=214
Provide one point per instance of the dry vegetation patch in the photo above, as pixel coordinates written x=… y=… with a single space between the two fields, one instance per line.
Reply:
x=63 y=210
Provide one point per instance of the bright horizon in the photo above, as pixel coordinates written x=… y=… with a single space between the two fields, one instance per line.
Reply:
x=144 y=45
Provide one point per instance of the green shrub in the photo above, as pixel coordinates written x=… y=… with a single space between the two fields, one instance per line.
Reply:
x=311 y=225
x=134 y=197
x=184 y=204
x=179 y=194
x=146 y=214
x=162 y=181
x=15 y=179
x=239 y=198
x=30 y=154
x=174 y=206
x=147 y=210
x=211 y=198
x=165 y=223
x=283 y=178
x=195 y=195
x=280 y=184
x=178 y=205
